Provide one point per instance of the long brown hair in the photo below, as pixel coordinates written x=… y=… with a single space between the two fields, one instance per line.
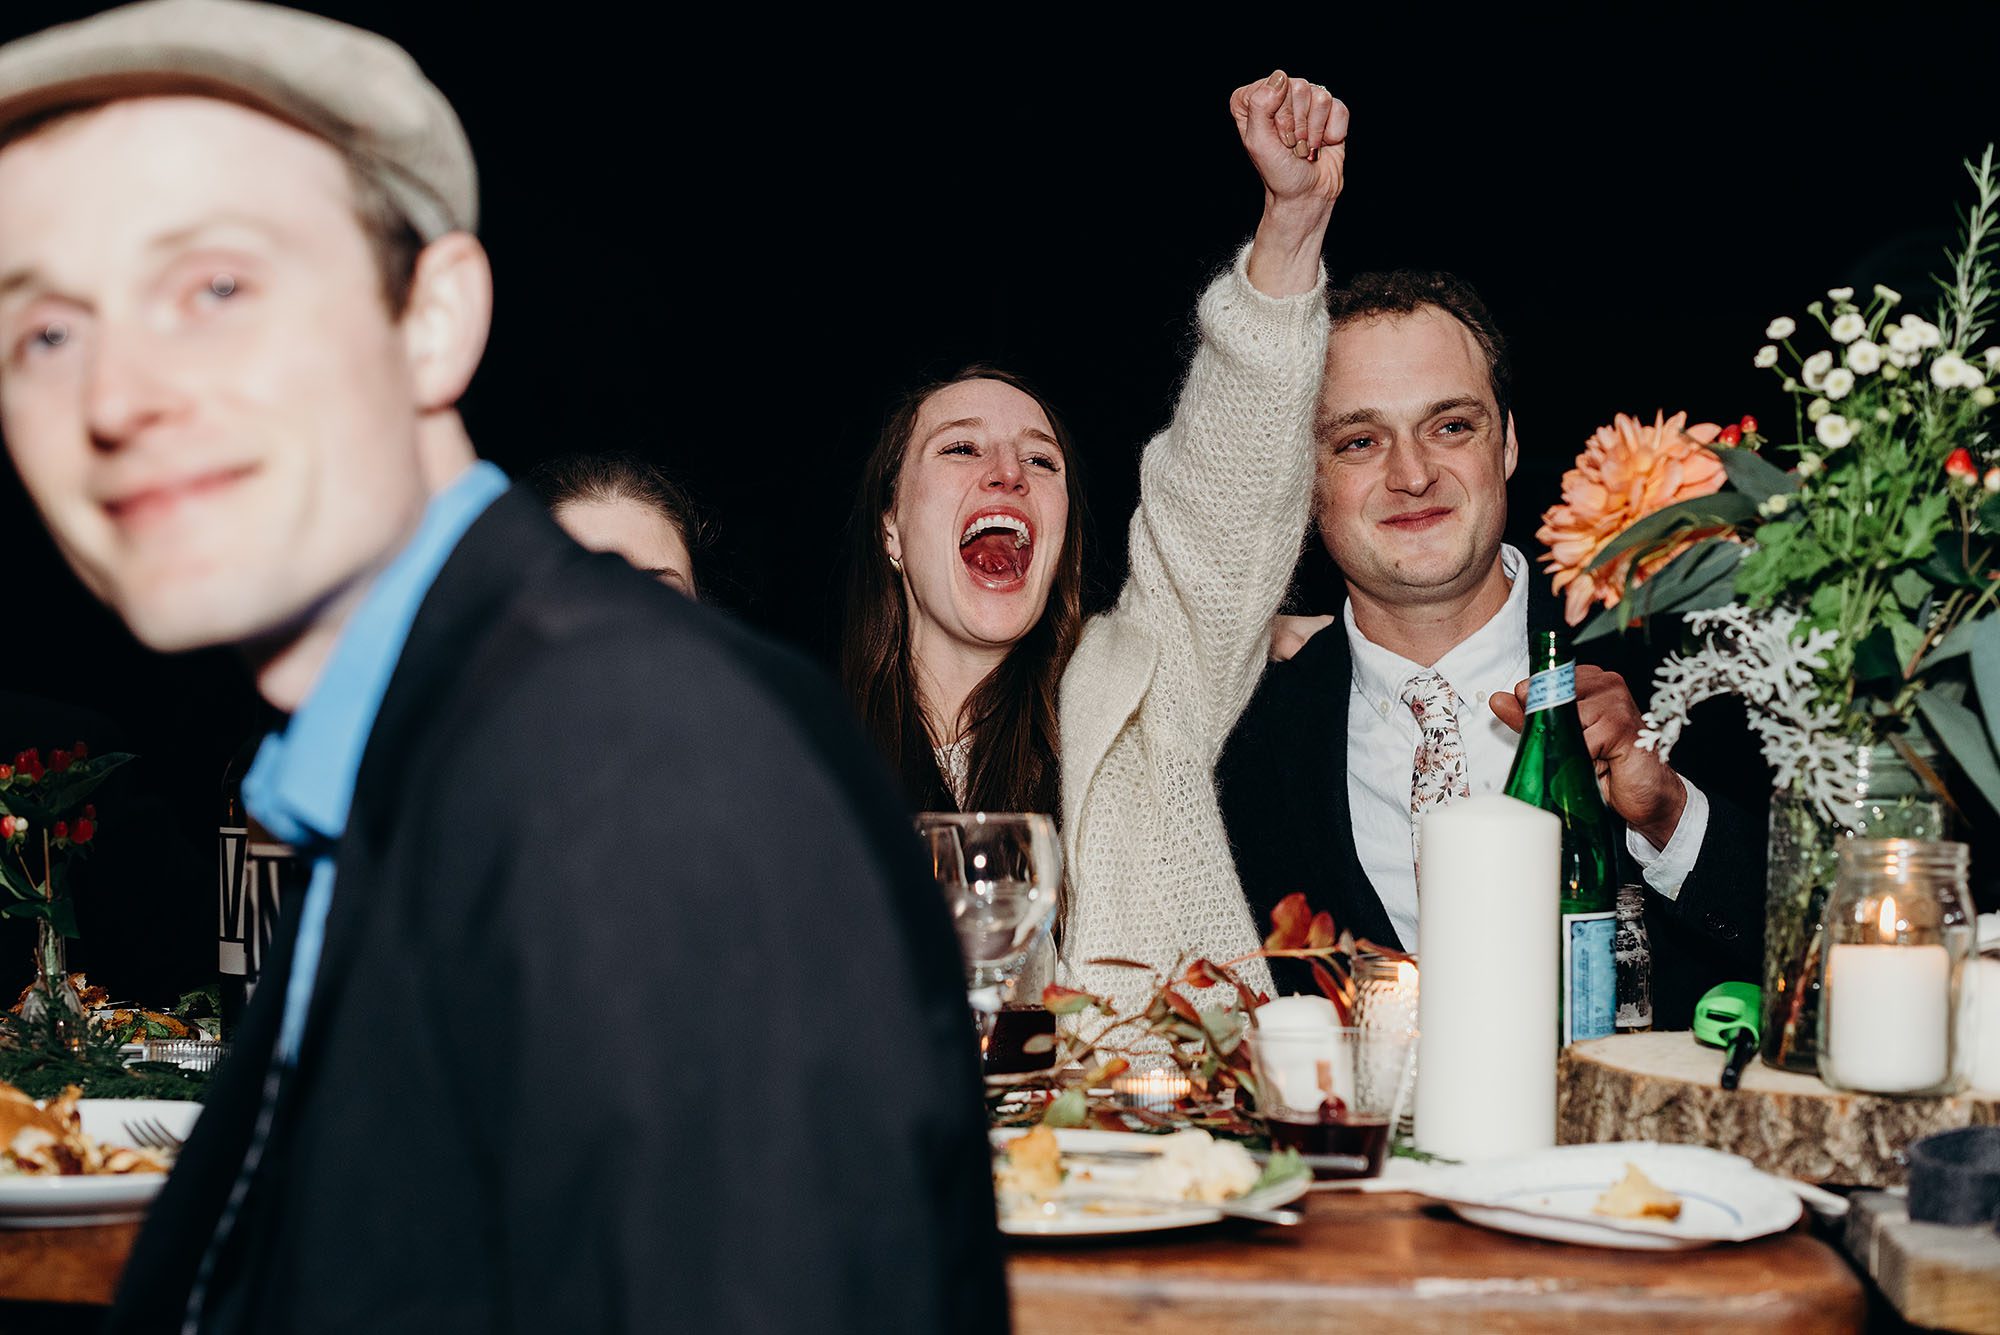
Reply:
x=1011 y=715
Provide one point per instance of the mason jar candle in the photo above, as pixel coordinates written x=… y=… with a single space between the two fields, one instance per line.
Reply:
x=1897 y=936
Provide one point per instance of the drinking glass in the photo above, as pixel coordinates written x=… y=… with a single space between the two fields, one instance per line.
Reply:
x=1333 y=1094
x=999 y=872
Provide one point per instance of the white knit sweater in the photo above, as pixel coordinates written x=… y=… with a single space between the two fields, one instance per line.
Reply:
x=1158 y=681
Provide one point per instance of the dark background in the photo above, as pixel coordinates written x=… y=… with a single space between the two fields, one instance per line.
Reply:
x=729 y=247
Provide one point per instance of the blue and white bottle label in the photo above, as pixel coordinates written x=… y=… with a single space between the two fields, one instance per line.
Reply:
x=1590 y=976
x=1555 y=687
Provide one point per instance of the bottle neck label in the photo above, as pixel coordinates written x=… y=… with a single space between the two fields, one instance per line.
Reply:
x=1555 y=687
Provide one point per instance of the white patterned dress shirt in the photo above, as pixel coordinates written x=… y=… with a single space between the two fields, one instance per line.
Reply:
x=1382 y=738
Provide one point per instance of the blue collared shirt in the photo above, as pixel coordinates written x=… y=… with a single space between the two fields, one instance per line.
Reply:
x=302 y=783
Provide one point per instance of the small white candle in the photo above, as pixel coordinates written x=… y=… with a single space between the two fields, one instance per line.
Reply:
x=1888 y=1017
x=1154 y=1090
x=1488 y=935
x=1298 y=1044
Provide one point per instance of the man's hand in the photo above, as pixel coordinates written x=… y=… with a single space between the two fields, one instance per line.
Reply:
x=1640 y=787
x=1296 y=135
x=1289 y=634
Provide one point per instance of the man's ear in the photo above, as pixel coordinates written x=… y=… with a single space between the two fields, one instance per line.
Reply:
x=1511 y=451
x=447 y=317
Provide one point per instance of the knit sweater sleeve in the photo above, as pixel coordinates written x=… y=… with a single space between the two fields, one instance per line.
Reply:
x=1223 y=498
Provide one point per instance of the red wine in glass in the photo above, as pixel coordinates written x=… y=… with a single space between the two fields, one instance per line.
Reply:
x=1335 y=1143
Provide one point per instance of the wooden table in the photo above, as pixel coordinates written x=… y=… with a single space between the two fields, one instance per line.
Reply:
x=1392 y=1263
x=1382 y=1263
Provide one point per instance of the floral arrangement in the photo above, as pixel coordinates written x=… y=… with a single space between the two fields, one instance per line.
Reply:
x=45 y=822
x=1206 y=1045
x=1849 y=593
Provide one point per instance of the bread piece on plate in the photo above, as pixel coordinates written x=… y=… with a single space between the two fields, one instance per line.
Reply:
x=1637 y=1196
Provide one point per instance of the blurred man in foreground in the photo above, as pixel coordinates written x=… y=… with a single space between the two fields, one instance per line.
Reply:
x=535 y=1051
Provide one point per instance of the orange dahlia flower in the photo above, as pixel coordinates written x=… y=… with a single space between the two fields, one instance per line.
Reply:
x=1627 y=471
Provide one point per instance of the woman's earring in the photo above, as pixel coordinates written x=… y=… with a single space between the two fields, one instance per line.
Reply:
x=895 y=563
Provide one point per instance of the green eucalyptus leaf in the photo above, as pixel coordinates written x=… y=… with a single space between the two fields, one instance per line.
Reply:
x=1069 y=1108
x=1724 y=509
x=62 y=913
x=1756 y=477
x=1958 y=730
x=1985 y=651
x=1958 y=641
x=1703 y=577
x=1875 y=656
x=1989 y=514
x=1943 y=566
x=1911 y=588
x=25 y=908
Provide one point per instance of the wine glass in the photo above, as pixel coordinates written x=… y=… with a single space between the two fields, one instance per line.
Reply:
x=999 y=872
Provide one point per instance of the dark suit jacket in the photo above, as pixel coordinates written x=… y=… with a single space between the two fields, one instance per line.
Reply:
x=638 y=1010
x=1283 y=781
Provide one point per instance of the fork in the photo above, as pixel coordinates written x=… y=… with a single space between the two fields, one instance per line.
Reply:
x=149 y=1133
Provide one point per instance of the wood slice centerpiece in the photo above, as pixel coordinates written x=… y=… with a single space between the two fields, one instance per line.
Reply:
x=1667 y=1087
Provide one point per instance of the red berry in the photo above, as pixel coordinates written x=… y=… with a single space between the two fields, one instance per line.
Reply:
x=89 y=812
x=80 y=751
x=1959 y=465
x=84 y=829
x=1749 y=424
x=62 y=829
x=1731 y=435
x=6 y=773
x=59 y=760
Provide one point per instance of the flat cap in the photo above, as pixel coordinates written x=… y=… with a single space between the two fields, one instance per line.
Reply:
x=356 y=89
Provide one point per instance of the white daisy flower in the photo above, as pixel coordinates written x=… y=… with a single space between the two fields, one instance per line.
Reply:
x=1840 y=293
x=1833 y=431
x=1838 y=382
x=1864 y=357
x=1782 y=327
x=1809 y=464
x=1846 y=328
x=1888 y=294
x=1947 y=370
x=1983 y=396
x=1815 y=369
x=1992 y=357
x=1817 y=409
x=1903 y=341
x=1767 y=356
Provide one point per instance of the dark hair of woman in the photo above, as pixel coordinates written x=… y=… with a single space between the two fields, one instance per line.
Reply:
x=1011 y=716
x=603 y=478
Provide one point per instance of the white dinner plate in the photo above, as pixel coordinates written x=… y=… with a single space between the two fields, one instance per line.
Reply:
x=1100 y=1217
x=1549 y=1194
x=106 y=1198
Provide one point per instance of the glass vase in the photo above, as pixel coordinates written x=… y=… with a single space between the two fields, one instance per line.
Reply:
x=51 y=1004
x=1888 y=801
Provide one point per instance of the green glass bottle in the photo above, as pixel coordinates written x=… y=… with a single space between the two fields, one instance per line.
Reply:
x=1553 y=770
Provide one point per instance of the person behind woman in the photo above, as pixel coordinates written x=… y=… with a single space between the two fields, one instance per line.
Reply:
x=954 y=637
x=621 y=504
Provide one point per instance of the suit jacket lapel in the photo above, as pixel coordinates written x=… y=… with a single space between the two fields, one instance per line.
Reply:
x=458 y=622
x=1322 y=679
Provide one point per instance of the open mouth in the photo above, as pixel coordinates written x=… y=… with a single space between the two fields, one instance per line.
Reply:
x=997 y=549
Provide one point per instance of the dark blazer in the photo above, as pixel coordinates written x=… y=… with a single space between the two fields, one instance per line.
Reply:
x=638 y=1010
x=1283 y=782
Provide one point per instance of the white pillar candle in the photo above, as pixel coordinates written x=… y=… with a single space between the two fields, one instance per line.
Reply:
x=1488 y=934
x=1982 y=1011
x=1888 y=1017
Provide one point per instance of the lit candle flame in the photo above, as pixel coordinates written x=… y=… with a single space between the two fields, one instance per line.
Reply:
x=1887 y=919
x=1406 y=977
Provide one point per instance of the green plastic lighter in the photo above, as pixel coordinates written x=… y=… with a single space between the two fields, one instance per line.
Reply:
x=1726 y=1017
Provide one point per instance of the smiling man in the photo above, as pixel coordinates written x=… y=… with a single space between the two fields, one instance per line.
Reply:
x=547 y=802
x=1319 y=782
